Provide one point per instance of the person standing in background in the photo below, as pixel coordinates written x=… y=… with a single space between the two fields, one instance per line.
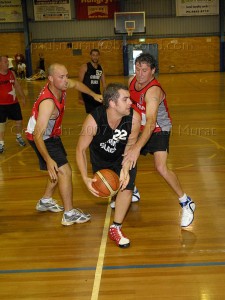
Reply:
x=92 y=75
x=41 y=62
x=11 y=66
x=9 y=104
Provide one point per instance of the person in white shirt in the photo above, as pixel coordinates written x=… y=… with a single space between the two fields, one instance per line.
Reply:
x=21 y=70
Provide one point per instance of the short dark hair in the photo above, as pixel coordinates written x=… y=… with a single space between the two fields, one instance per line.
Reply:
x=111 y=92
x=148 y=59
x=94 y=50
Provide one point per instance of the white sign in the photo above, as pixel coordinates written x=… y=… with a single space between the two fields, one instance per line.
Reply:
x=197 y=7
x=52 y=10
x=11 y=11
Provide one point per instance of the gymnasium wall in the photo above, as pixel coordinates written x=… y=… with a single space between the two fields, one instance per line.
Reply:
x=185 y=44
x=176 y=55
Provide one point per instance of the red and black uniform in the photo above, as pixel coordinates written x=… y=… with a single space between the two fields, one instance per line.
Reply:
x=53 y=131
x=7 y=89
x=9 y=104
x=163 y=122
x=54 y=125
x=159 y=139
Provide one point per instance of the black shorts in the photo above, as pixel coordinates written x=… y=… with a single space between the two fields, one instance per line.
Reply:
x=55 y=149
x=11 y=112
x=159 y=141
x=117 y=169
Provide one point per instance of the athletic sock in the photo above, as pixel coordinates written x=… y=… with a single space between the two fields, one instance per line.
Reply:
x=45 y=200
x=183 y=198
x=118 y=225
x=69 y=213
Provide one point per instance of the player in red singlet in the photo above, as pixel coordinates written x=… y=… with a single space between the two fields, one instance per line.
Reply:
x=149 y=100
x=9 y=104
x=43 y=133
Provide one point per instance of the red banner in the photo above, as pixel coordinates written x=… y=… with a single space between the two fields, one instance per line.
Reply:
x=96 y=9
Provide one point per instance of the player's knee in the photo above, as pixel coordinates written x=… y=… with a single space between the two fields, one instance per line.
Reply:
x=65 y=170
x=161 y=169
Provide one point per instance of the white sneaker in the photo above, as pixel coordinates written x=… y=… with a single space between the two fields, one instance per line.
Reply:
x=113 y=204
x=77 y=216
x=135 y=198
x=187 y=215
x=50 y=205
x=136 y=195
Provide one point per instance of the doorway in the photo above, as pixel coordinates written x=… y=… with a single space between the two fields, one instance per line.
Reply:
x=131 y=51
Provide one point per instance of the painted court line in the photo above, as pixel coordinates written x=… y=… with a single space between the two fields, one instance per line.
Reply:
x=101 y=256
x=148 y=266
x=14 y=155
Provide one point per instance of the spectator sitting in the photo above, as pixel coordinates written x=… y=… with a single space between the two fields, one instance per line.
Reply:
x=40 y=75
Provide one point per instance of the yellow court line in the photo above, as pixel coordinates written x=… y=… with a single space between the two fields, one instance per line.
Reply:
x=101 y=256
x=10 y=157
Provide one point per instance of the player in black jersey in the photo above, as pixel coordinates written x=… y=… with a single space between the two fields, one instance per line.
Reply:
x=109 y=131
x=92 y=75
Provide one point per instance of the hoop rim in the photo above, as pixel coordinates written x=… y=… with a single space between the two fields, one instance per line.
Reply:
x=130 y=31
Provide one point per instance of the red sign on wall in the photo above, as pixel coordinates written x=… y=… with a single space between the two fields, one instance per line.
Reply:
x=96 y=9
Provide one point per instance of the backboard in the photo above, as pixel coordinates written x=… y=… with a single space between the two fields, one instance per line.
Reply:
x=129 y=22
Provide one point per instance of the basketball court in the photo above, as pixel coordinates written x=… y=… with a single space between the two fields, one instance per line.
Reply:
x=41 y=259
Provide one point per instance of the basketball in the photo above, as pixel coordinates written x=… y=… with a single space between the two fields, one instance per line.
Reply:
x=107 y=183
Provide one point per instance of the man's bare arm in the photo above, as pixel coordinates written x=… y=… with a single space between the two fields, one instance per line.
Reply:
x=87 y=133
x=152 y=99
x=19 y=90
x=84 y=89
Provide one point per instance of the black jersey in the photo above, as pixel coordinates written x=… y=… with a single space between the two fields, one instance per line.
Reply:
x=92 y=77
x=108 y=145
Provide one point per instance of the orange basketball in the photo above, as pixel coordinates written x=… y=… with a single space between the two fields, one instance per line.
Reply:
x=107 y=183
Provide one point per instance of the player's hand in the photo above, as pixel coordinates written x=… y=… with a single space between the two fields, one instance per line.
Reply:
x=124 y=178
x=98 y=97
x=52 y=170
x=131 y=156
x=88 y=181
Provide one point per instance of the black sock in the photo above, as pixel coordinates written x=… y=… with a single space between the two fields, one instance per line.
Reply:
x=117 y=224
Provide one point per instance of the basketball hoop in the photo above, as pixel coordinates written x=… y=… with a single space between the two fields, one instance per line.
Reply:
x=130 y=31
x=129 y=23
x=130 y=27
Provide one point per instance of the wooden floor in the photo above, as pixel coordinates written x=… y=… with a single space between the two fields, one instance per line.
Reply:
x=41 y=259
